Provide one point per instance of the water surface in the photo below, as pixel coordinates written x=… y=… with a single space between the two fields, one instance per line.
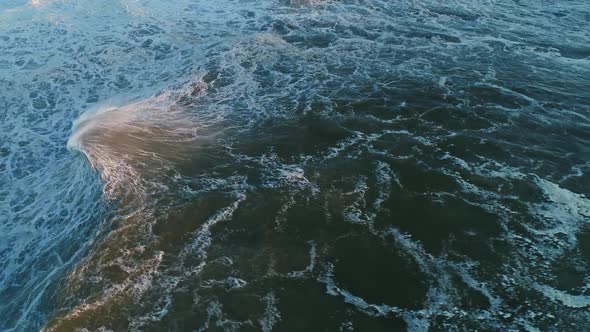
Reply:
x=281 y=165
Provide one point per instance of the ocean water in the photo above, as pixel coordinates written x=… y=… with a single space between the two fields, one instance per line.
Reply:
x=303 y=165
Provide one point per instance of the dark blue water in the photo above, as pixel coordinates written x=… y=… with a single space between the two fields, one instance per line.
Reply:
x=294 y=165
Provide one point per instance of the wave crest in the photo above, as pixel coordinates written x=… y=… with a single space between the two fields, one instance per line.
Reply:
x=139 y=143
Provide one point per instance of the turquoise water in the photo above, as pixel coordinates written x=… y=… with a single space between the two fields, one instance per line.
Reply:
x=294 y=165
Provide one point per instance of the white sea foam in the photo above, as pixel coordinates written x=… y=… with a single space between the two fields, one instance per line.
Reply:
x=139 y=47
x=271 y=315
x=564 y=212
x=572 y=301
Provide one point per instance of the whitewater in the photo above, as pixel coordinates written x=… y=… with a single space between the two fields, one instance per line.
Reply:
x=356 y=165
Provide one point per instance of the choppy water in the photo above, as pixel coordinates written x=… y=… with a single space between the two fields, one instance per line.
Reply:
x=317 y=165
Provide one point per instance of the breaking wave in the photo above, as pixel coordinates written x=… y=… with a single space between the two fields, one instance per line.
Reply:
x=294 y=165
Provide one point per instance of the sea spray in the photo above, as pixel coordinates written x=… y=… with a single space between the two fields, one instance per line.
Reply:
x=352 y=165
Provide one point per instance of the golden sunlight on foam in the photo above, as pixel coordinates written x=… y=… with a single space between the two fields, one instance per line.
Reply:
x=137 y=143
x=136 y=147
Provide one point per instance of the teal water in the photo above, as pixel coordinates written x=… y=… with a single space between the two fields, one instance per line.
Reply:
x=294 y=165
